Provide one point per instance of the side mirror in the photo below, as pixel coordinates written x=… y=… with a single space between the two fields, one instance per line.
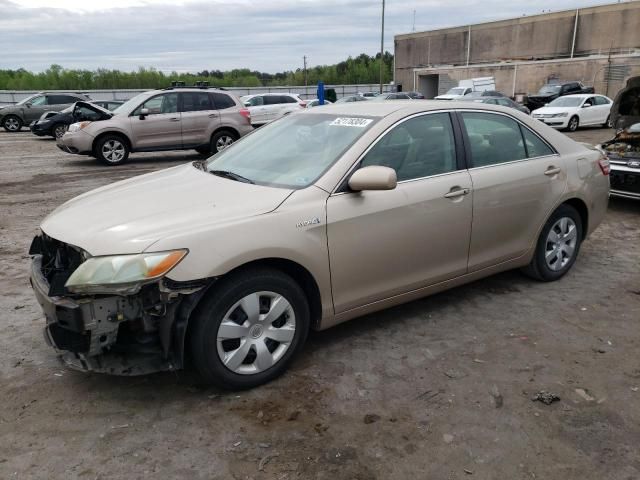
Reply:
x=28 y=104
x=373 y=178
x=247 y=104
x=143 y=113
x=586 y=105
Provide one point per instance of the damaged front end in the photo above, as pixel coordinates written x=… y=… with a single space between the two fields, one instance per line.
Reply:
x=623 y=152
x=132 y=331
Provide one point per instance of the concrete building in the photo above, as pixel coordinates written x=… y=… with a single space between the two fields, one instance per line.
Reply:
x=599 y=46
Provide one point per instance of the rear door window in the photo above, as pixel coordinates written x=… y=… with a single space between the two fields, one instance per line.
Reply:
x=273 y=100
x=534 y=144
x=493 y=139
x=195 y=101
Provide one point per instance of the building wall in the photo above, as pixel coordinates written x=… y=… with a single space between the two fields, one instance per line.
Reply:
x=600 y=30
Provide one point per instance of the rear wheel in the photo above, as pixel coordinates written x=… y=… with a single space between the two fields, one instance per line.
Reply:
x=248 y=329
x=573 y=124
x=608 y=123
x=112 y=150
x=221 y=140
x=59 y=130
x=558 y=245
x=11 y=123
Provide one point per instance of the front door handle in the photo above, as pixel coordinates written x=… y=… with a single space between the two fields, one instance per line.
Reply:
x=174 y=119
x=213 y=115
x=456 y=192
x=551 y=171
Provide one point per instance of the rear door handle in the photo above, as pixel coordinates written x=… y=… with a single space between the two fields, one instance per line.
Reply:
x=456 y=192
x=551 y=171
x=174 y=119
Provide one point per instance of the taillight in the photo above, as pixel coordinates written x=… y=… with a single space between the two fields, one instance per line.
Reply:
x=246 y=114
x=303 y=104
x=603 y=163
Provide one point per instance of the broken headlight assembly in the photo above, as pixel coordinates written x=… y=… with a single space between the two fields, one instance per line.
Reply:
x=122 y=274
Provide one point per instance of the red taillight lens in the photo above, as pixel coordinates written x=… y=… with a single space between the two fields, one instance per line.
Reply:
x=303 y=104
x=246 y=114
x=603 y=163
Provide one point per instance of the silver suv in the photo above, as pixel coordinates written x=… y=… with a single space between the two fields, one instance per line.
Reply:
x=176 y=118
x=13 y=117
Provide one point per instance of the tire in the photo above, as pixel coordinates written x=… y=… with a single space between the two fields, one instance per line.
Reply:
x=222 y=139
x=112 y=150
x=12 y=123
x=204 y=150
x=58 y=130
x=562 y=250
x=248 y=356
x=574 y=123
x=607 y=123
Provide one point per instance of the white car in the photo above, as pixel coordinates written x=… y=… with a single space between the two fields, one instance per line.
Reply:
x=265 y=107
x=455 y=93
x=573 y=111
x=316 y=103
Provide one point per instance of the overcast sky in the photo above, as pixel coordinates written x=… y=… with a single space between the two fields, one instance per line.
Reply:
x=193 y=35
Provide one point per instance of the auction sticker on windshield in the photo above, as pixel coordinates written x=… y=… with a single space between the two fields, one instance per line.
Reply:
x=351 y=122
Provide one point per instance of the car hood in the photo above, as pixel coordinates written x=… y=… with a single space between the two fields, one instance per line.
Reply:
x=552 y=110
x=625 y=110
x=131 y=215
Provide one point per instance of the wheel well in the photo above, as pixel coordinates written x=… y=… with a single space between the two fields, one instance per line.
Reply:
x=226 y=129
x=102 y=135
x=582 y=209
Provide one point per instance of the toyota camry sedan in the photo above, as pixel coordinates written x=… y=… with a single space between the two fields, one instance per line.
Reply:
x=310 y=221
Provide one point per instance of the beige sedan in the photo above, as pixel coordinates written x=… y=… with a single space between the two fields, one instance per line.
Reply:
x=312 y=220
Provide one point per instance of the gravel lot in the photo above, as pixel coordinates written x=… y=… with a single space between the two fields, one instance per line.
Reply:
x=436 y=389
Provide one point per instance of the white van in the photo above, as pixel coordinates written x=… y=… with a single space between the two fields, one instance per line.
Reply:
x=464 y=87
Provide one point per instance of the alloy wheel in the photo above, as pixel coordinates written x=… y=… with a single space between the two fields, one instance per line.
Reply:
x=561 y=244
x=113 y=151
x=573 y=124
x=223 y=142
x=256 y=332
x=12 y=124
x=60 y=130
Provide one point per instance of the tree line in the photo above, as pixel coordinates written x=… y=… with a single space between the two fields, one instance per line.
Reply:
x=361 y=69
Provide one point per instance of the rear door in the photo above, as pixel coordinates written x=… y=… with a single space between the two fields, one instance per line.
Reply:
x=603 y=107
x=227 y=110
x=198 y=118
x=160 y=129
x=274 y=107
x=517 y=179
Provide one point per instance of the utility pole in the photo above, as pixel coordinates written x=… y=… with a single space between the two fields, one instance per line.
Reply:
x=414 y=21
x=305 y=70
x=382 y=48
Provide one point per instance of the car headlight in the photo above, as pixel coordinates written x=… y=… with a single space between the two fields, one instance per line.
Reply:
x=123 y=274
x=563 y=114
x=75 y=127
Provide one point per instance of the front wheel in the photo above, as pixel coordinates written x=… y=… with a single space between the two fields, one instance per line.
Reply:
x=248 y=329
x=112 y=150
x=573 y=124
x=558 y=245
x=11 y=123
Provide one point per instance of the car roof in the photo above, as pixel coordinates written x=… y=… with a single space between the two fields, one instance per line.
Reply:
x=383 y=109
x=582 y=95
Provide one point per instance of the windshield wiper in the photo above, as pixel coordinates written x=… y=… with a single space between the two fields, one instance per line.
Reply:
x=231 y=175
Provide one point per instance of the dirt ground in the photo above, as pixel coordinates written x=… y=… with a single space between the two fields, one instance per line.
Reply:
x=439 y=388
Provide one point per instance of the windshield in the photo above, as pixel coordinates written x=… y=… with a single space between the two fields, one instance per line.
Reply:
x=566 y=102
x=456 y=91
x=130 y=104
x=292 y=152
x=547 y=89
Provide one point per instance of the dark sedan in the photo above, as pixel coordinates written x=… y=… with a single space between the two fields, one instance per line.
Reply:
x=57 y=124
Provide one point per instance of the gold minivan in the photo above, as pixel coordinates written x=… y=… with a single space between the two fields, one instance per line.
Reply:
x=314 y=219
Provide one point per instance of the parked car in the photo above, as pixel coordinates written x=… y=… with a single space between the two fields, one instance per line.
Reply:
x=415 y=95
x=503 y=101
x=623 y=152
x=176 y=118
x=13 y=117
x=266 y=107
x=572 y=111
x=393 y=96
x=110 y=105
x=486 y=93
x=312 y=220
x=467 y=86
x=625 y=110
x=455 y=93
x=369 y=94
x=354 y=98
x=56 y=124
x=316 y=103
x=551 y=91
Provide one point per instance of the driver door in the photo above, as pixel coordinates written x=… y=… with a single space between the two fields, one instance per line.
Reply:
x=37 y=106
x=161 y=128
x=386 y=243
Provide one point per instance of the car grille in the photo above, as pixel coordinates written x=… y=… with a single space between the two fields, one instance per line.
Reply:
x=59 y=261
x=628 y=182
